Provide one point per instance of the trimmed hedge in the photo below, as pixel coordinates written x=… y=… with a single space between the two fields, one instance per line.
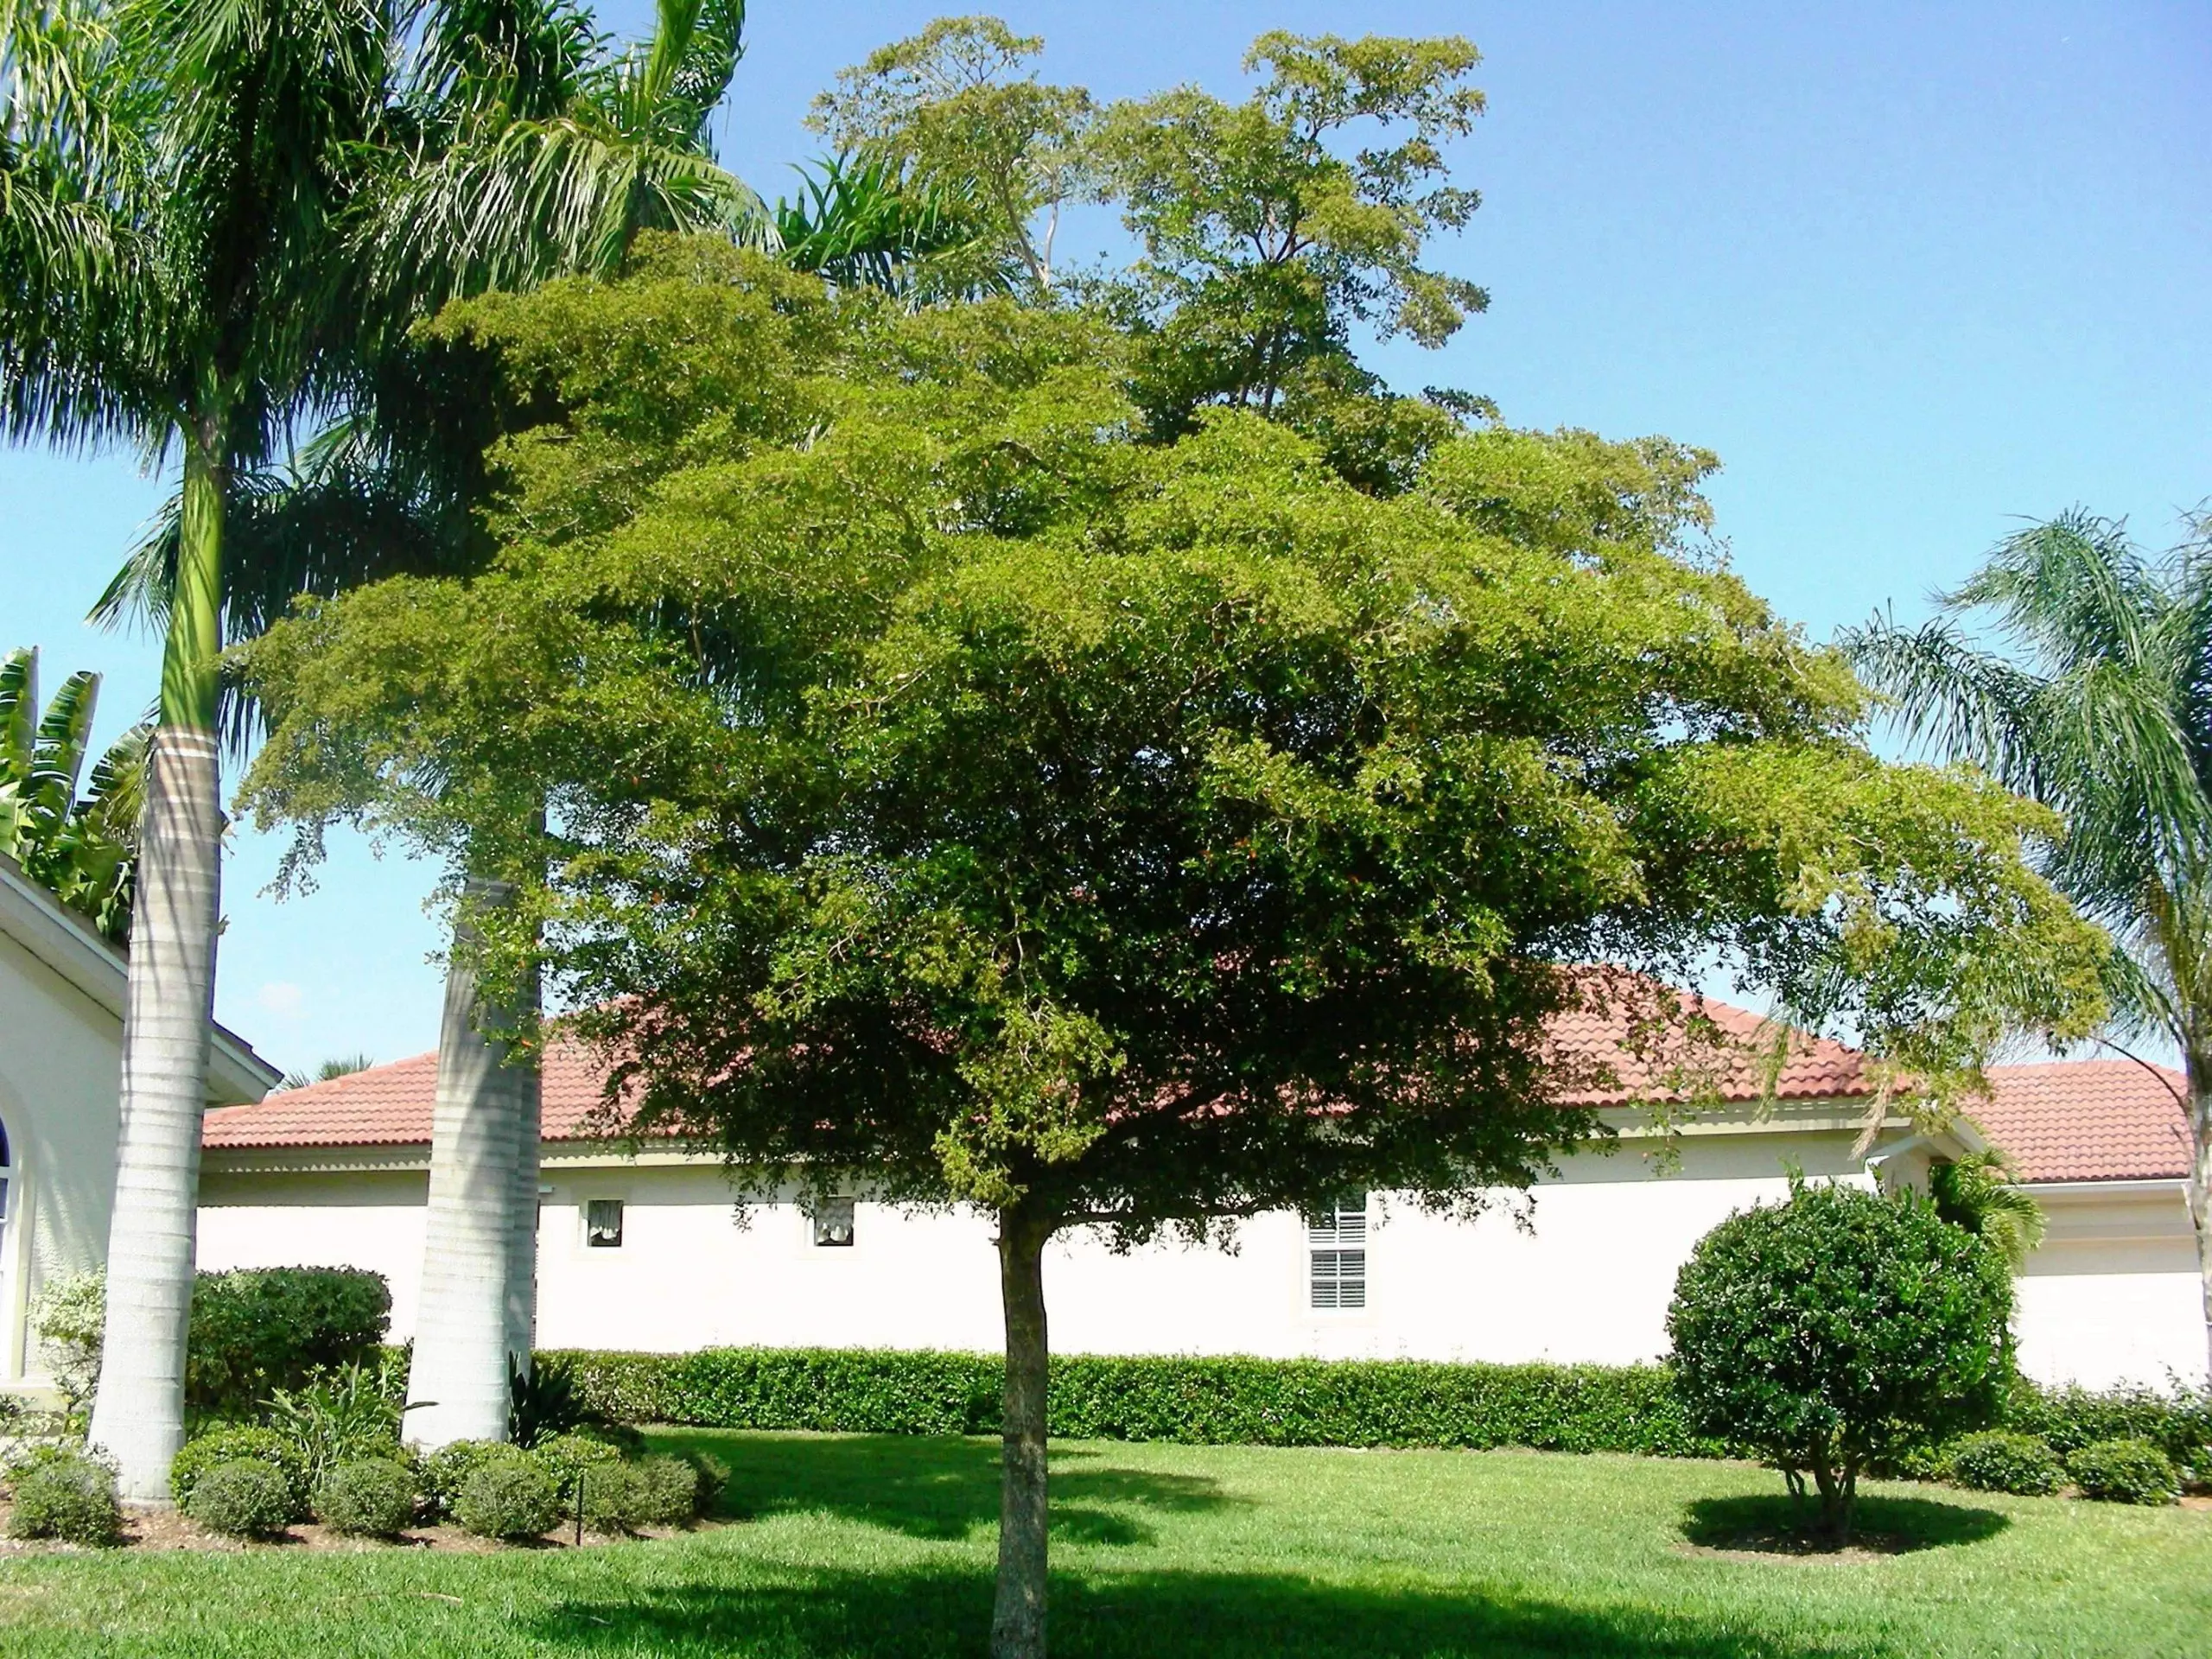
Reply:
x=1212 y=1401
x=1230 y=1402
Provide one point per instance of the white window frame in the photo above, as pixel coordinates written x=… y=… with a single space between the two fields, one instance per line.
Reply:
x=1337 y=1257
x=621 y=1223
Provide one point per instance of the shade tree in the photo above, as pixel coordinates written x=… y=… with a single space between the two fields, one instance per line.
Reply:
x=952 y=787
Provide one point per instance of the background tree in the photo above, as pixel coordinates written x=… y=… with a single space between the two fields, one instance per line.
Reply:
x=521 y=143
x=957 y=107
x=2096 y=700
x=1112 y=834
x=81 y=847
x=175 y=189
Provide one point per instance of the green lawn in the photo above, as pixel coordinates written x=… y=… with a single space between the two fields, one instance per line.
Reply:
x=883 y=1547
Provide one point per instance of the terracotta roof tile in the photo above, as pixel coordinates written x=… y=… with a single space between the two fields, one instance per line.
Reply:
x=1730 y=1064
x=390 y=1106
x=2087 y=1120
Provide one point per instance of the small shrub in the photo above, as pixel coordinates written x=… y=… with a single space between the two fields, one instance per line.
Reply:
x=239 y=1444
x=508 y=1497
x=1837 y=1330
x=241 y=1499
x=614 y=1498
x=2001 y=1461
x=2123 y=1471
x=670 y=1491
x=344 y=1416
x=447 y=1470
x=372 y=1497
x=61 y=1492
x=566 y=1456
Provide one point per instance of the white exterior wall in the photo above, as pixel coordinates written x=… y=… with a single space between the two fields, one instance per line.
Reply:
x=2113 y=1295
x=59 y=1069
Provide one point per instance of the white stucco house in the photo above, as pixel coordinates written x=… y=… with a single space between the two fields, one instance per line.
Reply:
x=61 y=998
x=643 y=1247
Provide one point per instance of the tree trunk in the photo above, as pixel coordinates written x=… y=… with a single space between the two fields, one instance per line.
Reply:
x=457 y=1387
x=2199 y=1189
x=138 y=1410
x=524 y=1079
x=1018 y=1619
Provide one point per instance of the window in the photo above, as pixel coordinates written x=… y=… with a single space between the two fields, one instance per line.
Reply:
x=833 y=1223
x=1337 y=1242
x=603 y=1224
x=7 y=1175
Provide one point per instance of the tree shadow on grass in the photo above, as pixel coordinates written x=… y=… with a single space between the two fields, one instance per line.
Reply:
x=927 y=1487
x=1778 y=1525
x=918 y=1614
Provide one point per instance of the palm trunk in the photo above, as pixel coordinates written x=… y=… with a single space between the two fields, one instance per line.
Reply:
x=523 y=1080
x=138 y=1410
x=457 y=1386
x=2199 y=1189
x=1018 y=1619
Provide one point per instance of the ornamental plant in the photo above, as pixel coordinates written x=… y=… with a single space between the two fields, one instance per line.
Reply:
x=371 y=1497
x=2123 y=1471
x=1998 y=1460
x=59 y=1492
x=241 y=1499
x=1839 y=1328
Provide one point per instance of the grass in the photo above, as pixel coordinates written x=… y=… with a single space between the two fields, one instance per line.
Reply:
x=880 y=1548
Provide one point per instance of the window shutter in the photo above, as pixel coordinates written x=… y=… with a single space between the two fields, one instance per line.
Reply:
x=1337 y=1246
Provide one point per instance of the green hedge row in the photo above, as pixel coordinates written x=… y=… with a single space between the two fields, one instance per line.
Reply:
x=1241 y=1402
x=1198 y=1400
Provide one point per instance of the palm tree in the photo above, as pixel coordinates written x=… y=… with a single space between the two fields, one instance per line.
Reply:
x=175 y=185
x=861 y=221
x=2100 y=707
x=82 y=847
x=344 y=1066
x=1980 y=1192
x=527 y=147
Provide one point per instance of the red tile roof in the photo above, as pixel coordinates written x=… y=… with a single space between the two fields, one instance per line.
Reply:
x=390 y=1106
x=2088 y=1120
x=2073 y=1121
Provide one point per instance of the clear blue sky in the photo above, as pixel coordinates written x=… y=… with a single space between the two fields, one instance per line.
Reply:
x=1914 y=272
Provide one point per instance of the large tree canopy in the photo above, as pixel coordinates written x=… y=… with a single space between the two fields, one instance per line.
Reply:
x=949 y=784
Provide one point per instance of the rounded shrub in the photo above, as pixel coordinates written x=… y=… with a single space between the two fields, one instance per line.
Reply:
x=614 y=1498
x=1999 y=1461
x=239 y=1444
x=370 y=1497
x=508 y=1497
x=669 y=1491
x=447 y=1470
x=1837 y=1330
x=2123 y=1471
x=61 y=1492
x=241 y=1499
x=566 y=1456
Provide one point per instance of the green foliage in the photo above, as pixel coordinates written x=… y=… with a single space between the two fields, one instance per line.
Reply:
x=1979 y=1193
x=957 y=107
x=508 y=1497
x=566 y=1456
x=544 y=1404
x=1838 y=1329
x=236 y=1444
x=2001 y=1461
x=254 y=1331
x=60 y=1491
x=84 y=849
x=340 y=1417
x=371 y=1497
x=1205 y=1401
x=672 y=1490
x=2123 y=1472
x=614 y=1498
x=2179 y=1423
x=864 y=221
x=243 y=1499
x=448 y=1469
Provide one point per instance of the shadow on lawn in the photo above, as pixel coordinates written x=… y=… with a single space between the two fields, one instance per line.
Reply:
x=937 y=1489
x=1777 y=1524
x=915 y=1614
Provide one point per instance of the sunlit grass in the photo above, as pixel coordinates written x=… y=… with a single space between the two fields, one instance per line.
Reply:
x=880 y=1547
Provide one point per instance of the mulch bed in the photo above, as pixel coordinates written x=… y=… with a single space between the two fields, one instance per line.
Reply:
x=173 y=1529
